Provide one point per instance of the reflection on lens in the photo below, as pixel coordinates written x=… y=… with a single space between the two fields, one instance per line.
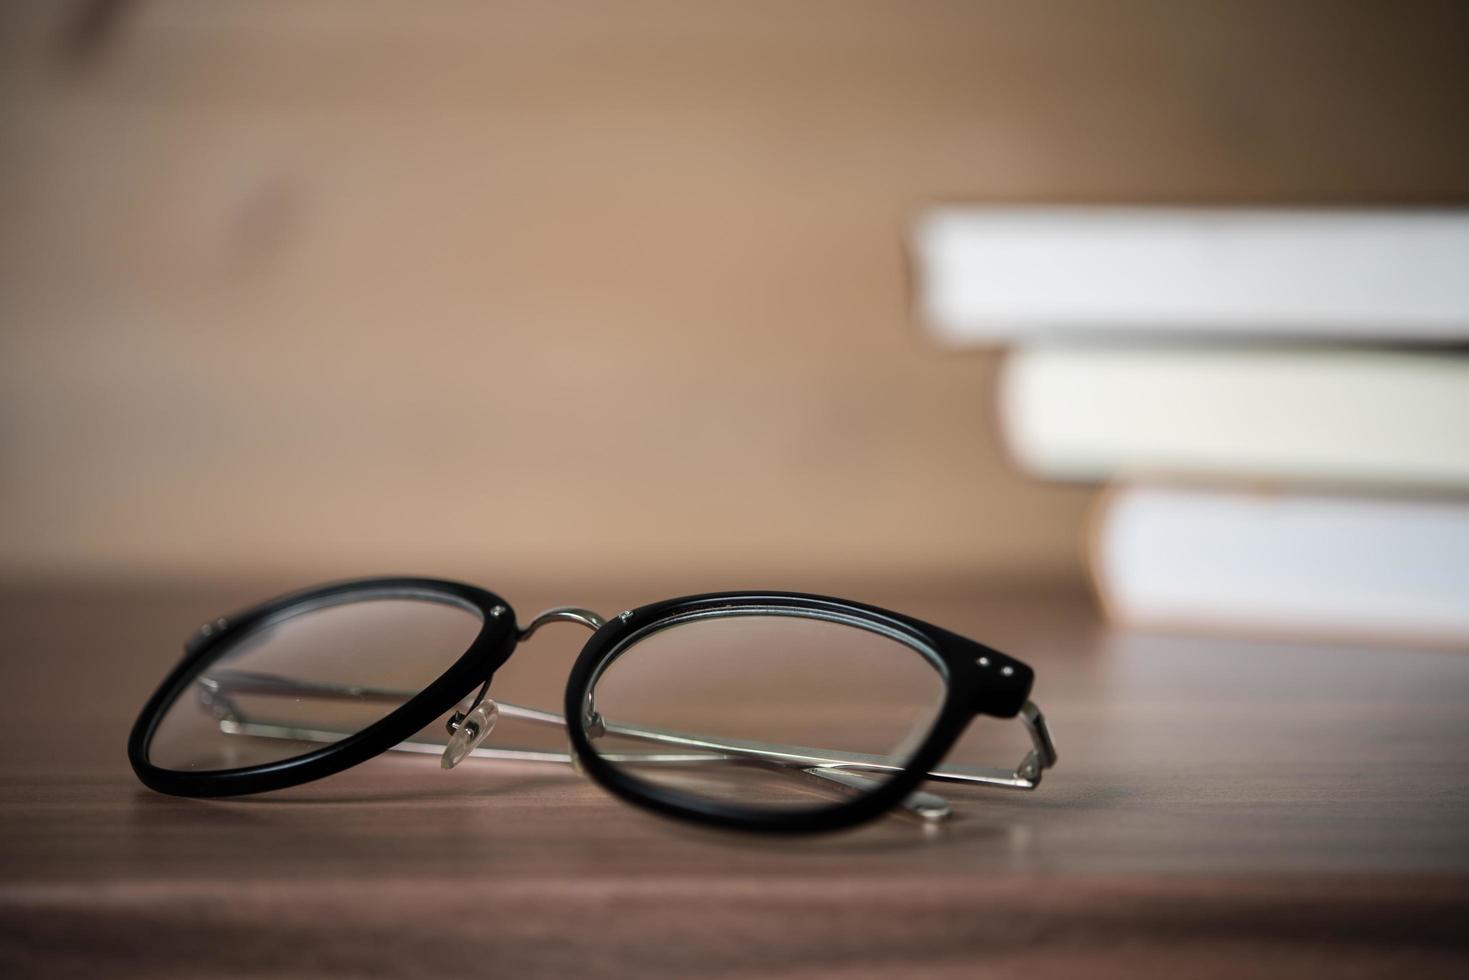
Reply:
x=310 y=677
x=755 y=709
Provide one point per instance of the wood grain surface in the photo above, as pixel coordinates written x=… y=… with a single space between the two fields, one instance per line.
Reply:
x=1221 y=808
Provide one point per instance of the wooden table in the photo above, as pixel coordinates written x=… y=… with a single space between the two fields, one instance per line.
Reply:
x=1221 y=808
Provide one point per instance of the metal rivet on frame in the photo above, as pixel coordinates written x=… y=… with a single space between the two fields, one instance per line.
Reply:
x=498 y=611
x=625 y=615
x=983 y=661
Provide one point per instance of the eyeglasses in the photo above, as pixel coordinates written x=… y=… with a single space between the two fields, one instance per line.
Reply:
x=757 y=710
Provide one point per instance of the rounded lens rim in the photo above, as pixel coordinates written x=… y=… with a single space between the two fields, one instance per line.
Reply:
x=490 y=648
x=952 y=655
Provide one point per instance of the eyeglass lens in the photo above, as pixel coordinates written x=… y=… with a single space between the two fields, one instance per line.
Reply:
x=764 y=711
x=314 y=675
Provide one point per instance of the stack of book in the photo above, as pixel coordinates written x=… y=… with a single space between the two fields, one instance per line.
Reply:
x=1277 y=399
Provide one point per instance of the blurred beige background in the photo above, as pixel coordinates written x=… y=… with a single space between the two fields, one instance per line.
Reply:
x=533 y=293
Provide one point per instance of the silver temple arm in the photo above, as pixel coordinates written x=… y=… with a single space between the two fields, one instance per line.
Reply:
x=1025 y=776
x=217 y=686
x=926 y=806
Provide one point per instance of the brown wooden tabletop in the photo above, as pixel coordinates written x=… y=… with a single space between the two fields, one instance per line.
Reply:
x=1221 y=808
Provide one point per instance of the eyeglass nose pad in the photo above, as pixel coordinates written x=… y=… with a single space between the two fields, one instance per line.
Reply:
x=472 y=729
x=591 y=718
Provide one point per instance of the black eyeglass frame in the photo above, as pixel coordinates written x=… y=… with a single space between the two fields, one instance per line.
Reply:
x=978 y=679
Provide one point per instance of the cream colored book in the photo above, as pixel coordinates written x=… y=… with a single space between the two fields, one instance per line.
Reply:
x=1319 y=415
x=1312 y=565
x=989 y=274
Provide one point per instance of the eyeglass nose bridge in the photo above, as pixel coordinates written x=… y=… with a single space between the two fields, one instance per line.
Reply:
x=556 y=614
x=562 y=614
x=593 y=622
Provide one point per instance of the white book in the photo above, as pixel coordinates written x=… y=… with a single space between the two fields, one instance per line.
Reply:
x=1327 y=566
x=1321 y=415
x=998 y=273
